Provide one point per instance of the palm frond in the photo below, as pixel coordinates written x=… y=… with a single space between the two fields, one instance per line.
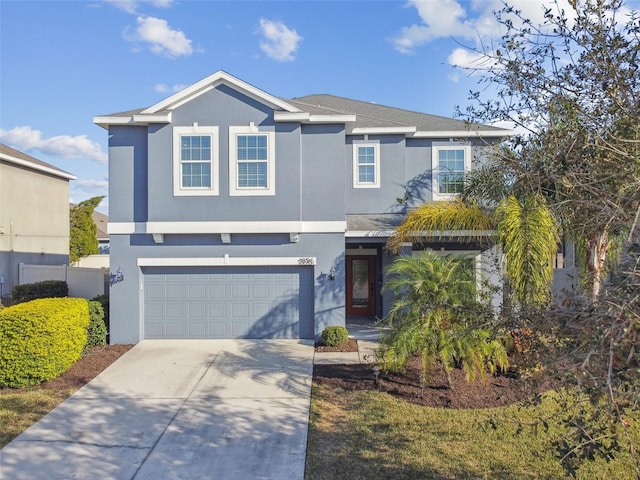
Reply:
x=440 y=219
x=528 y=233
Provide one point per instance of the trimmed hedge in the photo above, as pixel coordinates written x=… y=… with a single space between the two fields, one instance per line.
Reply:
x=32 y=291
x=97 y=331
x=41 y=339
x=335 y=336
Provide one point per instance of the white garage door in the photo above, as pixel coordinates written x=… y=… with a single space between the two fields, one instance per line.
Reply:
x=228 y=302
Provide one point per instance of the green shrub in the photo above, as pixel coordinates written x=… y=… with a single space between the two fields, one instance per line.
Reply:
x=335 y=336
x=97 y=330
x=104 y=301
x=47 y=289
x=41 y=339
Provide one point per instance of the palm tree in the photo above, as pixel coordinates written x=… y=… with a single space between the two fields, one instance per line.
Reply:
x=436 y=313
x=525 y=229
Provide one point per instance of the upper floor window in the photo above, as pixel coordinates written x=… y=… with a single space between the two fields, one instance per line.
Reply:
x=450 y=165
x=366 y=165
x=195 y=161
x=251 y=161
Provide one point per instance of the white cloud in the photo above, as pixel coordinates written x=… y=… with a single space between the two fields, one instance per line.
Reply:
x=131 y=6
x=280 y=42
x=468 y=59
x=448 y=18
x=160 y=37
x=93 y=185
x=440 y=18
x=163 y=88
x=90 y=188
x=65 y=146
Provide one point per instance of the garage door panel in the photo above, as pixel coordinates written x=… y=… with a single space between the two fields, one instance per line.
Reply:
x=228 y=302
x=260 y=291
x=197 y=291
x=174 y=310
x=197 y=310
x=154 y=291
x=173 y=291
x=197 y=330
x=240 y=291
x=217 y=291
x=174 y=330
x=217 y=310
x=239 y=310
x=260 y=309
x=217 y=330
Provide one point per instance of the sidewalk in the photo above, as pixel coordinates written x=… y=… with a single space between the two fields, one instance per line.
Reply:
x=368 y=336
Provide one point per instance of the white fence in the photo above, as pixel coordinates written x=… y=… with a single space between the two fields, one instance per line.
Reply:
x=82 y=282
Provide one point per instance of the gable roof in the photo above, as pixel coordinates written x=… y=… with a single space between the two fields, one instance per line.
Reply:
x=17 y=157
x=212 y=81
x=359 y=118
x=161 y=111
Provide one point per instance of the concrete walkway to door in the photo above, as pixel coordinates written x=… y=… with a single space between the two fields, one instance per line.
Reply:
x=178 y=409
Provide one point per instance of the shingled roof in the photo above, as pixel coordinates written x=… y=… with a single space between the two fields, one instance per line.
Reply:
x=371 y=115
x=17 y=157
x=359 y=117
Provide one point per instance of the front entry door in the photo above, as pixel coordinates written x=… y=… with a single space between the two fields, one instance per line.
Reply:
x=360 y=285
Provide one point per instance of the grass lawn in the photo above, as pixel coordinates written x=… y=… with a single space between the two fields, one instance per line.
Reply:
x=21 y=408
x=18 y=411
x=372 y=435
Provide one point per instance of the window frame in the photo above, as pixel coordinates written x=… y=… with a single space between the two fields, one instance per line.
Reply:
x=356 y=165
x=195 y=131
x=234 y=189
x=435 y=168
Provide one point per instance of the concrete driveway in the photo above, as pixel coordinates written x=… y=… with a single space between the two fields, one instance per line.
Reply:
x=178 y=409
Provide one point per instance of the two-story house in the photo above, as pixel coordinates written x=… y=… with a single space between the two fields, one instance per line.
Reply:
x=34 y=214
x=237 y=214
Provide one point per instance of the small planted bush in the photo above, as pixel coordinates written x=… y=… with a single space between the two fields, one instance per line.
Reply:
x=41 y=339
x=335 y=336
x=47 y=289
x=104 y=302
x=97 y=331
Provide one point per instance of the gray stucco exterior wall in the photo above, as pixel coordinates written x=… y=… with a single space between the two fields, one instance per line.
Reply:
x=301 y=216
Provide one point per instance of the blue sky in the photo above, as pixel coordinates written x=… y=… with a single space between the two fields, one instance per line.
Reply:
x=64 y=62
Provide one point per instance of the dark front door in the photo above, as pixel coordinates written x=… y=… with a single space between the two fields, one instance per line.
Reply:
x=360 y=285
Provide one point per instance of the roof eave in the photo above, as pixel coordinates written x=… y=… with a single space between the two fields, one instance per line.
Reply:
x=35 y=166
x=212 y=81
x=403 y=130
x=462 y=133
x=306 y=118
x=136 y=119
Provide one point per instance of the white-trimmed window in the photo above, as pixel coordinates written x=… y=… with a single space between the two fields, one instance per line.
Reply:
x=366 y=165
x=195 y=161
x=251 y=161
x=450 y=165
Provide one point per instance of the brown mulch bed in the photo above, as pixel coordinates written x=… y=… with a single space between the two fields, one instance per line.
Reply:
x=93 y=361
x=496 y=391
x=350 y=346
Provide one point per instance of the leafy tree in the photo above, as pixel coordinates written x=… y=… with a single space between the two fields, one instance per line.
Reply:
x=83 y=238
x=436 y=314
x=573 y=85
